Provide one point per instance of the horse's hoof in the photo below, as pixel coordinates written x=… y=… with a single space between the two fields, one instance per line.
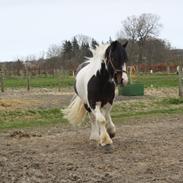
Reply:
x=107 y=148
x=111 y=132
x=112 y=135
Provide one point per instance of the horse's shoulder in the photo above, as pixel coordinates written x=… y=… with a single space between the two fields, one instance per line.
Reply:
x=81 y=66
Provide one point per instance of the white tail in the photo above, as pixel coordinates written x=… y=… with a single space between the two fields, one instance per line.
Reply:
x=76 y=111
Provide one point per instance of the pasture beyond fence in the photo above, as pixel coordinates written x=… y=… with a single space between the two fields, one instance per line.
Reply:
x=64 y=81
x=41 y=81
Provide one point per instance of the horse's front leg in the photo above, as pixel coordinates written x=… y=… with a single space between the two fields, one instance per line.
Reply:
x=95 y=131
x=111 y=129
x=100 y=119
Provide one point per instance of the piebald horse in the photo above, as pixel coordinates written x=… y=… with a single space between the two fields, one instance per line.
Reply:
x=95 y=90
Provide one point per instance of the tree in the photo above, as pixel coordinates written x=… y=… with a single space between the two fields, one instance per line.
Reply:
x=140 y=28
x=75 y=46
x=85 y=49
x=19 y=66
x=94 y=43
x=110 y=40
x=54 y=51
x=67 y=50
x=83 y=39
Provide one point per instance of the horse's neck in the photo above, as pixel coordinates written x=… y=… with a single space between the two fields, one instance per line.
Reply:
x=110 y=70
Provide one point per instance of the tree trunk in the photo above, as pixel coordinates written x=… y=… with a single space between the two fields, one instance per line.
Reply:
x=180 y=82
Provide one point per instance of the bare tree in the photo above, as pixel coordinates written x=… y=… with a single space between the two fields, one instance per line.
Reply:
x=54 y=51
x=139 y=28
x=83 y=39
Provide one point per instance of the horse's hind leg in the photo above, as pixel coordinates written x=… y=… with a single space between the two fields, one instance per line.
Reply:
x=94 y=128
x=104 y=136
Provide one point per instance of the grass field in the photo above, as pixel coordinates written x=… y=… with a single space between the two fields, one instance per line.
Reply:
x=121 y=110
x=158 y=80
x=30 y=118
x=149 y=80
x=48 y=81
x=120 y=113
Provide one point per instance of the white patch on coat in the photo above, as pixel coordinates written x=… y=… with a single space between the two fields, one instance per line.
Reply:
x=85 y=74
x=109 y=125
x=124 y=75
x=100 y=119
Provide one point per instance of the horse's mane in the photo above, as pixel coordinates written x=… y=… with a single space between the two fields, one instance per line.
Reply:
x=98 y=53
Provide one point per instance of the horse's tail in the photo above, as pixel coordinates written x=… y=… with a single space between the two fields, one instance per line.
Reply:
x=76 y=111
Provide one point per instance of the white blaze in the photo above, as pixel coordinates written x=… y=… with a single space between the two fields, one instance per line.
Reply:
x=124 y=75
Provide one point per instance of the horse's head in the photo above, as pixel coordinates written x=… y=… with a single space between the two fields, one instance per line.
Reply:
x=116 y=58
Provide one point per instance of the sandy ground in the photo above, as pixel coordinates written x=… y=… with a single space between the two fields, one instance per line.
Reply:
x=52 y=98
x=145 y=150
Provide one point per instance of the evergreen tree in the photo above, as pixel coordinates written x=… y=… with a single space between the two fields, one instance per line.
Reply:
x=110 y=40
x=94 y=44
x=67 y=50
x=85 y=49
x=75 y=47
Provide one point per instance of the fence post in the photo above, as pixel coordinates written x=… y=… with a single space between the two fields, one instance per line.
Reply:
x=2 y=79
x=28 y=82
x=27 y=75
x=59 y=78
x=180 y=81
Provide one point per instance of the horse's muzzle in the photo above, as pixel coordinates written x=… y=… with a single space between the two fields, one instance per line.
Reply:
x=124 y=79
x=121 y=79
x=124 y=82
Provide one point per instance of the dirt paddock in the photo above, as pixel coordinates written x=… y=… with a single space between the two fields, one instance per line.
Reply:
x=144 y=150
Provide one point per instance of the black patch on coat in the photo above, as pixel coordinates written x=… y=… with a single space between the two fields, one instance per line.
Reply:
x=87 y=108
x=101 y=88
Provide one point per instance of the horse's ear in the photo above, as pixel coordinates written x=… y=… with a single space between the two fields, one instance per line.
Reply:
x=107 y=52
x=125 y=44
x=114 y=44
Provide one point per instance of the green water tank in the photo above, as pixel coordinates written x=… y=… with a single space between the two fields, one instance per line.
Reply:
x=132 y=90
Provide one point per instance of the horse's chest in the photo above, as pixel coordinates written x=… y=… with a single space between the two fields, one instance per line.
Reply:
x=100 y=91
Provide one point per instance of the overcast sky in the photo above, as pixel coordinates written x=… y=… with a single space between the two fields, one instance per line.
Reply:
x=29 y=27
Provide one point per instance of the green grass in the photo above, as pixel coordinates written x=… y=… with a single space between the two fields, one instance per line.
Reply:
x=148 y=107
x=175 y=101
x=158 y=80
x=30 y=118
x=40 y=81
x=121 y=110
x=149 y=80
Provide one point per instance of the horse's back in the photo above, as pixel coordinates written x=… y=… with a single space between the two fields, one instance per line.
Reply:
x=82 y=78
x=81 y=66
